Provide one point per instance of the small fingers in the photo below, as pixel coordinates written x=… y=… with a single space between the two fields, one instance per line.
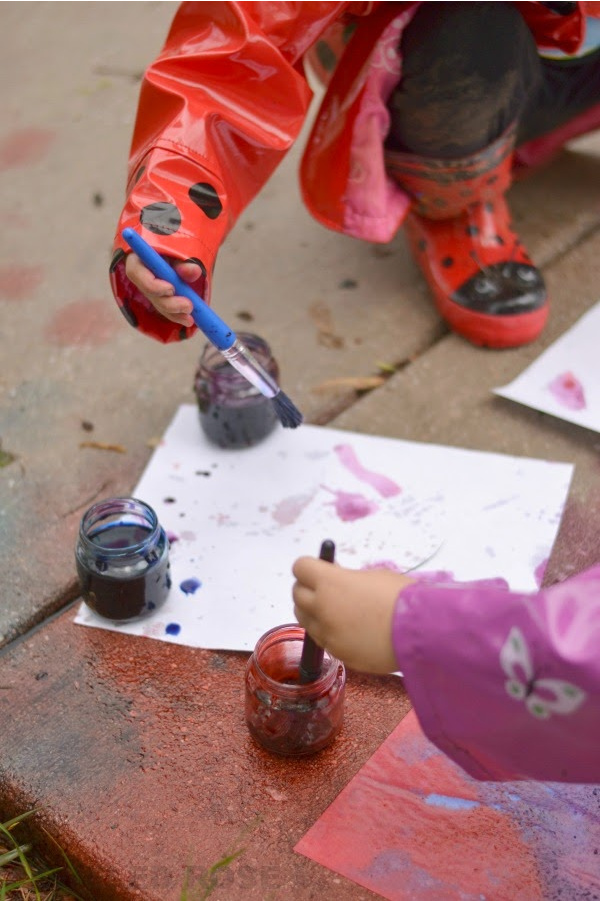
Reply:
x=309 y=623
x=304 y=597
x=308 y=570
x=144 y=279
x=188 y=271
x=160 y=293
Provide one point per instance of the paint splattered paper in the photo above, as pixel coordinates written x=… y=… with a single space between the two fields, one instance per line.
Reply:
x=412 y=824
x=565 y=380
x=237 y=520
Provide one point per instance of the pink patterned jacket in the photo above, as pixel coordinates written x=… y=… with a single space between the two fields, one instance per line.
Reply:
x=506 y=684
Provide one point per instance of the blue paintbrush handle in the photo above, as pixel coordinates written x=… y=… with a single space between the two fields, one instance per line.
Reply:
x=217 y=331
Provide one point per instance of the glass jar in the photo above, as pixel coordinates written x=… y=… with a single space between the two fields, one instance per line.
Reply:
x=284 y=715
x=233 y=413
x=122 y=558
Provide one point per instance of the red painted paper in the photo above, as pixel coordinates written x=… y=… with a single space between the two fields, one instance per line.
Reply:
x=412 y=824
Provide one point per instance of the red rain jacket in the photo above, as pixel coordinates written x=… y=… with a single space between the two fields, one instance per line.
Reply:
x=227 y=97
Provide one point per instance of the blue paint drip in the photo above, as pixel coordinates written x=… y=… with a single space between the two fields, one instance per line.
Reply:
x=450 y=803
x=173 y=629
x=189 y=586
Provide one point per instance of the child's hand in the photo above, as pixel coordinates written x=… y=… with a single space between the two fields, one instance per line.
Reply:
x=349 y=612
x=160 y=293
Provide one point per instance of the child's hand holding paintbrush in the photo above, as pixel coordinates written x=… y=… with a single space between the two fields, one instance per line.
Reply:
x=161 y=293
x=216 y=330
x=349 y=612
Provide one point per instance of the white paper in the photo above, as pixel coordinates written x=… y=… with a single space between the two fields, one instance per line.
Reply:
x=565 y=380
x=239 y=518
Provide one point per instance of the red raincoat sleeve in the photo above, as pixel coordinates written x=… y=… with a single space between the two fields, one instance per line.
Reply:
x=218 y=110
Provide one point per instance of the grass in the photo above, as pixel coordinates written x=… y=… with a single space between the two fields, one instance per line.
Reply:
x=23 y=874
x=209 y=880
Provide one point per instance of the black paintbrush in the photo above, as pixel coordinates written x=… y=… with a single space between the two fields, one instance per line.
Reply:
x=311 y=660
x=218 y=332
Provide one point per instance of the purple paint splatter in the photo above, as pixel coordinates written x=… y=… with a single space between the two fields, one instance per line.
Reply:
x=172 y=629
x=349 y=506
x=568 y=391
x=382 y=484
x=190 y=586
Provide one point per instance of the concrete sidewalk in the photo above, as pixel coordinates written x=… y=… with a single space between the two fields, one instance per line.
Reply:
x=136 y=751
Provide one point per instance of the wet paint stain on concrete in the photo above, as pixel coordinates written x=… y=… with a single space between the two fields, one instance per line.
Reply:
x=25 y=147
x=83 y=322
x=19 y=282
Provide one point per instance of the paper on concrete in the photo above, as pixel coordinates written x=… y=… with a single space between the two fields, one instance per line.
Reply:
x=565 y=380
x=413 y=825
x=237 y=520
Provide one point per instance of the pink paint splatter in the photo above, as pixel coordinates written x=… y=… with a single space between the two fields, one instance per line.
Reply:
x=382 y=484
x=223 y=519
x=19 y=282
x=84 y=322
x=25 y=147
x=289 y=509
x=568 y=391
x=349 y=506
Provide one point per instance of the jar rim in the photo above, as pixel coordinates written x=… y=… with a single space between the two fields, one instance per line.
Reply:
x=112 y=506
x=294 y=632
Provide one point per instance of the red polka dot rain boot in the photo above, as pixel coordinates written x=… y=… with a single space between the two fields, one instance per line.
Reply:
x=459 y=229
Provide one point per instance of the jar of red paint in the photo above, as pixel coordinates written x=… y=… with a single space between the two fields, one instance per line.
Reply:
x=122 y=559
x=283 y=714
x=233 y=413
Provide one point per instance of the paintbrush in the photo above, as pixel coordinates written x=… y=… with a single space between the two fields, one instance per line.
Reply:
x=218 y=332
x=311 y=660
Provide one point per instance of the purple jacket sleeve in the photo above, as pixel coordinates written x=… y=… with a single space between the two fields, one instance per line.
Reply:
x=506 y=684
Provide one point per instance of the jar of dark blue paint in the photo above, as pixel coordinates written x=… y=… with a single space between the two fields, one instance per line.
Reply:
x=233 y=412
x=122 y=558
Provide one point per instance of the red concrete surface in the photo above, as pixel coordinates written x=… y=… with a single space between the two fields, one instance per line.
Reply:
x=138 y=756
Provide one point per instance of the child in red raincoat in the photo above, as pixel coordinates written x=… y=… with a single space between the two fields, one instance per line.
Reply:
x=428 y=111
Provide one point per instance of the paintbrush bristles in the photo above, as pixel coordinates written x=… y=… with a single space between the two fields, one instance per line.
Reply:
x=288 y=414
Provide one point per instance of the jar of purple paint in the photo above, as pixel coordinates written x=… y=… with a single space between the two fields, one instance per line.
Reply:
x=122 y=559
x=284 y=714
x=233 y=413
